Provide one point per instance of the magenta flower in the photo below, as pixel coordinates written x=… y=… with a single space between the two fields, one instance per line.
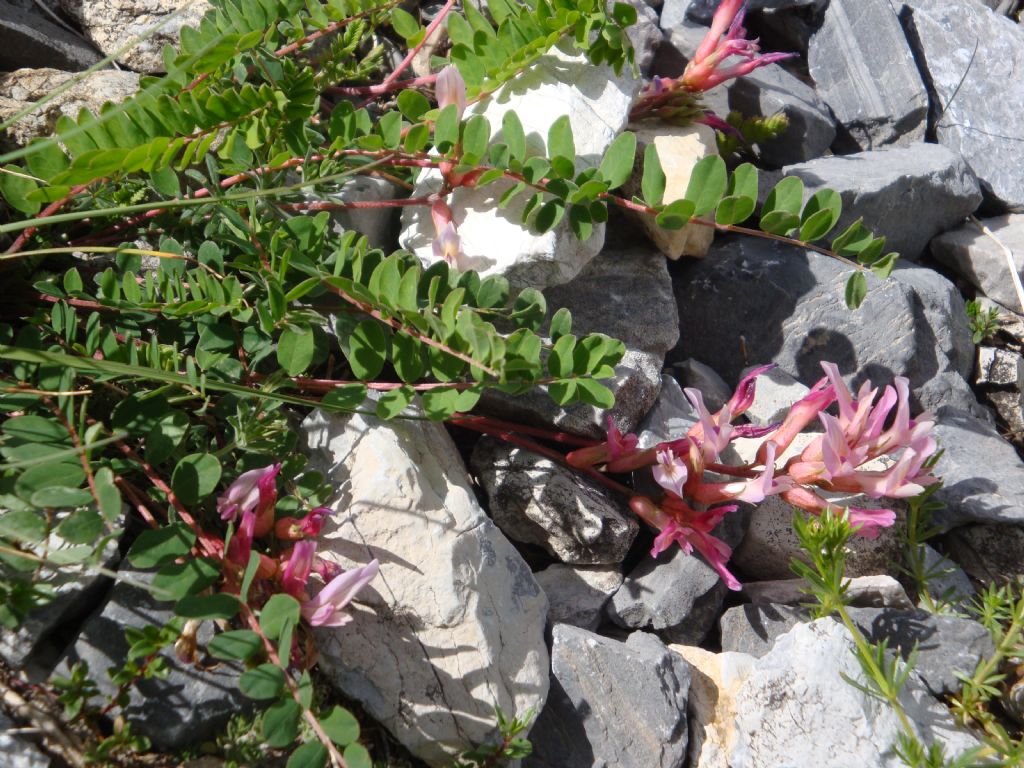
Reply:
x=670 y=472
x=327 y=608
x=712 y=433
x=250 y=489
x=617 y=451
x=297 y=570
x=753 y=491
x=743 y=397
x=240 y=545
x=451 y=89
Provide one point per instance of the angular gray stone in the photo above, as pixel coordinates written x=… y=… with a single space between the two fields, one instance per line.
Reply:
x=111 y=24
x=454 y=623
x=703 y=11
x=776 y=392
x=999 y=367
x=988 y=553
x=801 y=682
x=983 y=477
x=380 y=225
x=30 y=39
x=669 y=419
x=626 y=294
x=190 y=705
x=948 y=582
x=971 y=59
x=861 y=591
x=694 y=374
x=645 y=36
x=612 y=704
x=754 y=628
x=908 y=194
x=980 y=260
x=16 y=751
x=535 y=500
x=786 y=306
x=26 y=86
x=945 y=644
x=863 y=69
x=578 y=594
x=678 y=595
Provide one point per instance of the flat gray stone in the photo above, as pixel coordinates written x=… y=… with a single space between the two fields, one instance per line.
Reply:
x=626 y=294
x=535 y=500
x=754 y=628
x=983 y=477
x=861 y=591
x=945 y=644
x=578 y=594
x=980 y=260
x=703 y=11
x=678 y=595
x=863 y=69
x=907 y=194
x=28 y=38
x=612 y=704
x=693 y=373
x=786 y=306
x=669 y=419
x=989 y=553
x=972 y=59
x=776 y=392
x=190 y=705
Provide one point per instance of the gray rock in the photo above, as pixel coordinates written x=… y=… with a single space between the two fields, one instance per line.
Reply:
x=678 y=595
x=801 y=681
x=702 y=11
x=669 y=419
x=578 y=594
x=776 y=392
x=970 y=58
x=754 y=629
x=190 y=705
x=945 y=644
x=980 y=260
x=693 y=373
x=861 y=591
x=786 y=306
x=535 y=500
x=23 y=87
x=627 y=295
x=983 y=477
x=908 y=194
x=612 y=704
x=863 y=69
x=988 y=553
x=453 y=625
x=947 y=582
x=380 y=225
x=645 y=36
x=111 y=24
x=771 y=91
x=16 y=751
x=1008 y=405
x=999 y=367
x=770 y=542
x=30 y=39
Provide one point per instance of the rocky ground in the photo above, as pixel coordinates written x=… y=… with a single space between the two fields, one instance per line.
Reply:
x=509 y=581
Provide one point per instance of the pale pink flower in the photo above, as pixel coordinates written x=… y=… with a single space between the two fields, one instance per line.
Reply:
x=249 y=490
x=297 y=570
x=240 y=546
x=451 y=89
x=670 y=472
x=743 y=397
x=447 y=245
x=711 y=432
x=866 y=522
x=327 y=607
x=753 y=491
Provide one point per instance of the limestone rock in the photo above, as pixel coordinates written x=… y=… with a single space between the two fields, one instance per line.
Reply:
x=111 y=24
x=535 y=500
x=863 y=69
x=980 y=260
x=908 y=194
x=679 y=150
x=754 y=628
x=612 y=703
x=578 y=594
x=975 y=91
x=454 y=624
x=22 y=87
x=380 y=225
x=597 y=102
x=29 y=38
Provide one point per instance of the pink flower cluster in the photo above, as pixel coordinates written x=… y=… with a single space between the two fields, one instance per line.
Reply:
x=866 y=428
x=251 y=501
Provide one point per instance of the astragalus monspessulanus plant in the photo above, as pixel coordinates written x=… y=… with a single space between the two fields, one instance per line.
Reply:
x=177 y=294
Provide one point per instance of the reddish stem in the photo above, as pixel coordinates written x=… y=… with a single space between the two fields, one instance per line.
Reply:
x=49 y=210
x=404 y=63
x=380 y=89
x=466 y=420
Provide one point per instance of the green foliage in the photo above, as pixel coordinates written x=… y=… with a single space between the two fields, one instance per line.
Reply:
x=983 y=323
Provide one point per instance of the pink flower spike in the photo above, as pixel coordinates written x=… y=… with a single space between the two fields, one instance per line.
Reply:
x=711 y=120
x=869 y=522
x=723 y=19
x=244 y=493
x=313 y=523
x=447 y=245
x=451 y=89
x=327 y=608
x=712 y=432
x=619 y=445
x=800 y=415
x=265 y=507
x=296 y=572
x=743 y=397
x=670 y=472
x=240 y=545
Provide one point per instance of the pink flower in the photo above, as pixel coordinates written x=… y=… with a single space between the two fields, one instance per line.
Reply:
x=670 y=472
x=451 y=89
x=743 y=397
x=248 y=491
x=447 y=245
x=327 y=608
x=711 y=432
x=615 y=450
x=296 y=572
x=800 y=415
x=866 y=522
x=751 y=491
x=240 y=545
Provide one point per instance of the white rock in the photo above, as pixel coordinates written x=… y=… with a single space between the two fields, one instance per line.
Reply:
x=22 y=87
x=494 y=241
x=679 y=150
x=793 y=708
x=111 y=24
x=454 y=624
